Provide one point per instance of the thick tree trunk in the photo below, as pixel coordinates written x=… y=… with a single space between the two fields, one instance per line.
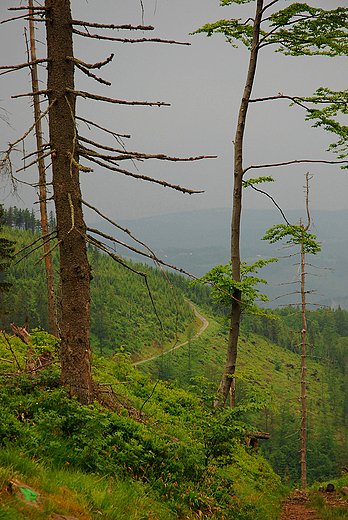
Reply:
x=42 y=182
x=75 y=270
x=232 y=347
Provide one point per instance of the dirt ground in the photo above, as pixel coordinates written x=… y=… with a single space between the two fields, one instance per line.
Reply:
x=298 y=505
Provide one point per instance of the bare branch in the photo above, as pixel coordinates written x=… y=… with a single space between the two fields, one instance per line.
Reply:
x=91 y=75
x=111 y=100
x=295 y=161
x=294 y=99
x=101 y=246
x=111 y=26
x=140 y=156
x=138 y=176
x=37 y=93
x=48 y=252
x=11 y=68
x=272 y=199
x=36 y=160
x=26 y=7
x=88 y=122
x=9 y=150
x=14 y=18
x=34 y=242
x=91 y=65
x=127 y=40
x=32 y=250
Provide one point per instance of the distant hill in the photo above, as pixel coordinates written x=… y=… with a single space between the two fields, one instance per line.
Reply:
x=198 y=240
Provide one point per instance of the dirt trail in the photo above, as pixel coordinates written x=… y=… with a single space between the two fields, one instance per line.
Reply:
x=298 y=505
x=205 y=324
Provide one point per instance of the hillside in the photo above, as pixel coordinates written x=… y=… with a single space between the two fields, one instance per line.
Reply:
x=123 y=320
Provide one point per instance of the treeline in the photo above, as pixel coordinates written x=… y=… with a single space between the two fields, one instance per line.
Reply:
x=122 y=311
x=25 y=220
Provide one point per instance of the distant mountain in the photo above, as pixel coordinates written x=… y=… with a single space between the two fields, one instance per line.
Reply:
x=198 y=240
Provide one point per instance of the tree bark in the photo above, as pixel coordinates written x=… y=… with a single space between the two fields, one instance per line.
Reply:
x=75 y=272
x=232 y=347
x=42 y=181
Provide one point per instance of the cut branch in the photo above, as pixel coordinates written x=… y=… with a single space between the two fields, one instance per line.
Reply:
x=138 y=176
x=127 y=40
x=111 y=100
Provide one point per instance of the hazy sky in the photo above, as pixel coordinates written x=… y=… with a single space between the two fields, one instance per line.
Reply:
x=203 y=83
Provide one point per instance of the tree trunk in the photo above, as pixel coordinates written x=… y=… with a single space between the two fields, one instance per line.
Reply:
x=75 y=272
x=236 y=213
x=42 y=182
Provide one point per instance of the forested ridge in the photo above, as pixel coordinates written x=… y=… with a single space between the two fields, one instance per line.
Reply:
x=124 y=320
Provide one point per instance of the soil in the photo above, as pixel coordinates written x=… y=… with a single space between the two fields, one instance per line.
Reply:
x=298 y=505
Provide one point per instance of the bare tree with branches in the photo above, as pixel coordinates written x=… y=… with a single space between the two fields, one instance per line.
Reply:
x=66 y=146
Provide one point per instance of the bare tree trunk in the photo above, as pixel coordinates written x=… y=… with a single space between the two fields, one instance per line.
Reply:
x=42 y=181
x=303 y=374
x=236 y=212
x=75 y=270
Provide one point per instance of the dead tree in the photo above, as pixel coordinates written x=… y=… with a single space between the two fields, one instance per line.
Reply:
x=66 y=147
x=42 y=178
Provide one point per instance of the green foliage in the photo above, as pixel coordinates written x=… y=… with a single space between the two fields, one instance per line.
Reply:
x=296 y=30
x=258 y=180
x=161 y=449
x=297 y=235
x=224 y=285
x=6 y=255
x=336 y=105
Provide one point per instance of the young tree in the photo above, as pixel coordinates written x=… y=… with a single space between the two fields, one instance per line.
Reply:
x=66 y=146
x=296 y=30
x=297 y=235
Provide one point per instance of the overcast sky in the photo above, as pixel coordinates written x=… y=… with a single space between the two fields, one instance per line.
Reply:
x=203 y=83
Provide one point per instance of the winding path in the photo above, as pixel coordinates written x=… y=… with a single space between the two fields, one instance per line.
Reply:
x=205 y=324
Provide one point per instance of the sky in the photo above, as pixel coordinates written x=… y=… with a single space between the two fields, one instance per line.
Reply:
x=203 y=83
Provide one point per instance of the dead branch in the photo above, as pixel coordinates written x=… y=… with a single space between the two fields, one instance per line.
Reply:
x=31 y=251
x=36 y=160
x=295 y=161
x=139 y=155
x=10 y=148
x=91 y=65
x=111 y=26
x=127 y=40
x=35 y=152
x=14 y=18
x=37 y=93
x=34 y=242
x=294 y=99
x=11 y=68
x=122 y=262
x=48 y=252
x=88 y=122
x=39 y=8
x=111 y=100
x=91 y=75
x=143 y=177
x=10 y=348
x=273 y=200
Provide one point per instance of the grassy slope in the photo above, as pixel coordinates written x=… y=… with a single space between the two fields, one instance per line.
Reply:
x=143 y=459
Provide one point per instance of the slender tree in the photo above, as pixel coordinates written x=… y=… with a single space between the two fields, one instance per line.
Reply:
x=296 y=30
x=52 y=320
x=298 y=235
